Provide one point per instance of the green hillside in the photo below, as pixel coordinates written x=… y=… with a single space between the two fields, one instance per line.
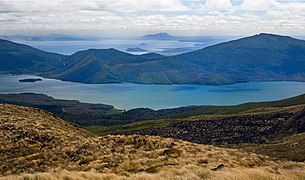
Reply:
x=22 y=59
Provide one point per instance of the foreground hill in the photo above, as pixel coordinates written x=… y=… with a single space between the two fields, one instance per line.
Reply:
x=21 y=59
x=35 y=141
x=263 y=57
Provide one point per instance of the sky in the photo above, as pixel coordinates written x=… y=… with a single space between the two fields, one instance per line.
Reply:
x=139 y=17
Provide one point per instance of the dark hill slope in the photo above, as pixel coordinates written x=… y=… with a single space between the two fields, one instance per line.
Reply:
x=263 y=57
x=83 y=114
x=22 y=59
x=100 y=65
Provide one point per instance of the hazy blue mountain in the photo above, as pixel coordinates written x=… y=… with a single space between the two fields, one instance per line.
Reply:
x=136 y=49
x=21 y=59
x=263 y=57
x=159 y=36
x=49 y=37
x=35 y=39
x=152 y=56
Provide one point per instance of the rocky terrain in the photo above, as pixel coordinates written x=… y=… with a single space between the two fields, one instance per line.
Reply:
x=232 y=130
x=35 y=144
x=256 y=131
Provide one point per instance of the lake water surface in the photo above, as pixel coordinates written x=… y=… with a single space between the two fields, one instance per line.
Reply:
x=128 y=96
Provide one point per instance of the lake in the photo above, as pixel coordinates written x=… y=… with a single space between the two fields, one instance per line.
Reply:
x=128 y=96
x=172 y=47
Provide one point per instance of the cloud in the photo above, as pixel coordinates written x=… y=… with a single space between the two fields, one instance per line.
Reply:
x=117 y=16
x=218 y=5
x=148 y=5
x=122 y=6
x=260 y=5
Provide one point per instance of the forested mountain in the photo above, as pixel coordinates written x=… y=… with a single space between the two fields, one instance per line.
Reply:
x=22 y=59
x=263 y=57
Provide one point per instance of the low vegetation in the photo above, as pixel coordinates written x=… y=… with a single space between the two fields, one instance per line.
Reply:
x=291 y=147
x=35 y=144
x=161 y=123
x=83 y=114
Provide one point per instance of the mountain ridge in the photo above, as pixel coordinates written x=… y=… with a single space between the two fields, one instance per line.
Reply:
x=262 y=57
x=19 y=58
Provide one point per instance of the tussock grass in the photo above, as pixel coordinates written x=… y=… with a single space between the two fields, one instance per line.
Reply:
x=186 y=173
x=37 y=145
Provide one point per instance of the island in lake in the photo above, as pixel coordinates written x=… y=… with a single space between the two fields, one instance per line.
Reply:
x=30 y=80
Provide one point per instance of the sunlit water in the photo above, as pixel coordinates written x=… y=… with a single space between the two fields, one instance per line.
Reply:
x=128 y=96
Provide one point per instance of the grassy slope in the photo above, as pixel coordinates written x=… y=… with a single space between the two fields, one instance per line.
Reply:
x=291 y=147
x=212 y=110
x=34 y=141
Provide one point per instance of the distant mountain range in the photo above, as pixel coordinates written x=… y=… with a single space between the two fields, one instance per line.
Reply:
x=262 y=57
x=49 y=37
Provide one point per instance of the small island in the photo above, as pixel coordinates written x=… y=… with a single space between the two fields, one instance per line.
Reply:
x=30 y=80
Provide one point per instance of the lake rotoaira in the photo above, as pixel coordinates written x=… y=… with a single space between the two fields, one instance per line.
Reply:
x=128 y=96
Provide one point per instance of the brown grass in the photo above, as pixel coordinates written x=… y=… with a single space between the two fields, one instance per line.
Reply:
x=185 y=173
x=37 y=145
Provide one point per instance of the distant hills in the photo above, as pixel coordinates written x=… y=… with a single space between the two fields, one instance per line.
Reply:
x=49 y=37
x=262 y=57
x=159 y=36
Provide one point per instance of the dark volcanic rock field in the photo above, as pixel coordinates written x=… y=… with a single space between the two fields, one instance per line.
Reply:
x=256 y=129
